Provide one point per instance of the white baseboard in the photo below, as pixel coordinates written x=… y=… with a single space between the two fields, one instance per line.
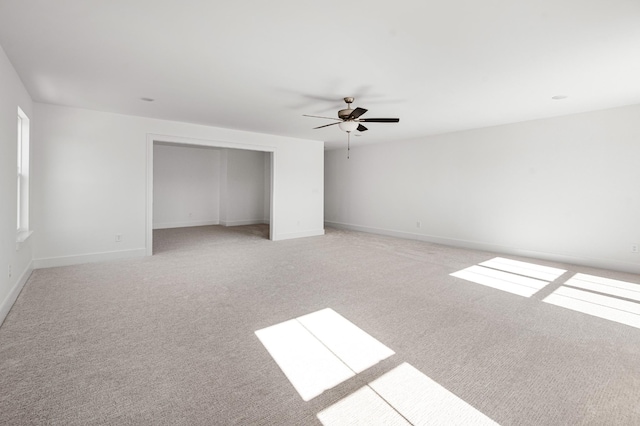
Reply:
x=292 y=235
x=11 y=298
x=242 y=222
x=612 y=264
x=185 y=224
x=52 y=262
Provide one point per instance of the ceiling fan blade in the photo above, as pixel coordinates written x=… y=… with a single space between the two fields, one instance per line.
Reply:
x=357 y=113
x=317 y=116
x=380 y=120
x=361 y=128
x=326 y=125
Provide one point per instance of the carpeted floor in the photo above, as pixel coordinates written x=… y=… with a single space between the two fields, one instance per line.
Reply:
x=170 y=339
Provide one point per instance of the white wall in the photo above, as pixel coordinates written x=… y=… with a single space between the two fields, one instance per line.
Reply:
x=564 y=189
x=186 y=186
x=246 y=191
x=91 y=181
x=19 y=257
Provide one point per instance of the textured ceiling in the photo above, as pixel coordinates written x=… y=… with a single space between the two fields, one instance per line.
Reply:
x=258 y=66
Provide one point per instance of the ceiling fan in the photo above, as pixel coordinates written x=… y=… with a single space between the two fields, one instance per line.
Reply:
x=349 y=120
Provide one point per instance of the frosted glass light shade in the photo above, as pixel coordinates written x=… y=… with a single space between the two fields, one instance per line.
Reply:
x=348 y=126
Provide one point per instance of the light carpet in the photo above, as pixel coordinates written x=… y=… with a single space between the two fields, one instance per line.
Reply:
x=170 y=339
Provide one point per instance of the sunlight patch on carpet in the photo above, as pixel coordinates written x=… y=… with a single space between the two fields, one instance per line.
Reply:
x=606 y=286
x=545 y=273
x=320 y=350
x=363 y=407
x=599 y=305
x=500 y=280
x=357 y=349
x=415 y=397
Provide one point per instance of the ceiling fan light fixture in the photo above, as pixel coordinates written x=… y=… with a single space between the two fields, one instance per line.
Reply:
x=348 y=126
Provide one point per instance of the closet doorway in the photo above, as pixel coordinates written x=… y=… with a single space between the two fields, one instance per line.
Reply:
x=196 y=185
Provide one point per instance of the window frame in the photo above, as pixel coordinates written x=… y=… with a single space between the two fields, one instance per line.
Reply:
x=22 y=184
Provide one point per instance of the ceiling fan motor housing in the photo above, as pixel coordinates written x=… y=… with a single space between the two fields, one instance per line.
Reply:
x=344 y=113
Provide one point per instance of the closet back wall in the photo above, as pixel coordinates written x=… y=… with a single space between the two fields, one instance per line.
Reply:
x=186 y=186
x=197 y=186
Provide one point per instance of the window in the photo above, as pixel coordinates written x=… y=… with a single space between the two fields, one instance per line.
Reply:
x=23 y=177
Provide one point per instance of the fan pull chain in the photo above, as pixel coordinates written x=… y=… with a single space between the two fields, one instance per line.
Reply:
x=348 y=144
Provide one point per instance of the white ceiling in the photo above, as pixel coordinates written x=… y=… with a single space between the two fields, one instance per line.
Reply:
x=259 y=65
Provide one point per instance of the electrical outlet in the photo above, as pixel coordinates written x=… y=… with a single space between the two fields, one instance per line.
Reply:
x=118 y=238
x=634 y=248
x=418 y=224
x=10 y=271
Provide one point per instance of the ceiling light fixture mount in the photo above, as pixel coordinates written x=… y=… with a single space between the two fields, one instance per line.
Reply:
x=559 y=97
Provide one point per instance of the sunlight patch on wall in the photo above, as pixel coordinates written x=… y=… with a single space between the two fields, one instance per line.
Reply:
x=607 y=307
x=414 y=397
x=320 y=350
